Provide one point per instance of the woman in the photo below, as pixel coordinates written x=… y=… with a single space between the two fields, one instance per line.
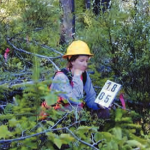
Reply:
x=77 y=55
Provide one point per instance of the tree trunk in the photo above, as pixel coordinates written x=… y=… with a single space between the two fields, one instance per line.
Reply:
x=68 y=20
x=97 y=9
x=88 y=4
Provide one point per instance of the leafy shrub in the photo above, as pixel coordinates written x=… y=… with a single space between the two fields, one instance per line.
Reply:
x=120 y=40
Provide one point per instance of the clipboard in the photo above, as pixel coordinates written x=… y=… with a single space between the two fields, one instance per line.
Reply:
x=108 y=93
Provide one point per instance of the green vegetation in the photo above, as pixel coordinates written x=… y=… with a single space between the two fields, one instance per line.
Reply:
x=120 y=40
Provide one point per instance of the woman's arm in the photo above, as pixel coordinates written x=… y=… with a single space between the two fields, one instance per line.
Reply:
x=90 y=94
x=72 y=93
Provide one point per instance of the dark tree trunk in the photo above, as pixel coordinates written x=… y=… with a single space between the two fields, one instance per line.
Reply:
x=73 y=19
x=97 y=6
x=87 y=4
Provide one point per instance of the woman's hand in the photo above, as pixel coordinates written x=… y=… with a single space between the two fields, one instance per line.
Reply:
x=102 y=107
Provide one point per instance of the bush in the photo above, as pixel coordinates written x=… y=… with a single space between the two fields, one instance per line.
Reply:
x=120 y=40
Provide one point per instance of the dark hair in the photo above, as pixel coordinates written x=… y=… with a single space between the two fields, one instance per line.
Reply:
x=73 y=58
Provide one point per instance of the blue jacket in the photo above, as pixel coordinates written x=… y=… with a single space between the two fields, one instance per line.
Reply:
x=75 y=93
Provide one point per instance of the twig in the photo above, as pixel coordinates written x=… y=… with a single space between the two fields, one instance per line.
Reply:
x=95 y=144
x=120 y=106
x=20 y=74
x=98 y=142
x=8 y=84
x=24 y=51
x=16 y=82
x=25 y=137
x=37 y=55
x=59 y=120
x=2 y=106
x=37 y=125
x=80 y=139
x=54 y=65
x=44 y=46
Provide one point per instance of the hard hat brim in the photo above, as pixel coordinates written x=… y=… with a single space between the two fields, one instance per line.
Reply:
x=66 y=55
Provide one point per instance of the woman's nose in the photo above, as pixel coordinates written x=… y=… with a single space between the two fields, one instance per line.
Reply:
x=85 y=63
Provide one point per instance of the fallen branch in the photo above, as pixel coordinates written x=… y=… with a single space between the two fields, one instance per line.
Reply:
x=20 y=79
x=10 y=85
x=44 y=46
x=37 y=55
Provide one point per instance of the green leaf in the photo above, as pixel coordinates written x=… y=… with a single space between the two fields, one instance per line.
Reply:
x=51 y=99
x=117 y=132
x=103 y=136
x=94 y=128
x=24 y=148
x=112 y=145
x=126 y=119
x=135 y=126
x=13 y=148
x=39 y=129
x=13 y=122
x=66 y=138
x=137 y=138
x=19 y=65
x=51 y=136
x=8 y=108
x=118 y=114
x=30 y=142
x=84 y=129
x=134 y=143
x=50 y=122
x=4 y=132
x=58 y=142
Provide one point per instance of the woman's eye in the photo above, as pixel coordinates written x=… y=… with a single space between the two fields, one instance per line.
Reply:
x=81 y=60
x=84 y=61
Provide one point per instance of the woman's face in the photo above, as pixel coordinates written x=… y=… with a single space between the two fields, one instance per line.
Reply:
x=80 y=63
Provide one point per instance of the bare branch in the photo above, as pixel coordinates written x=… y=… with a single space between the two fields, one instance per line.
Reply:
x=42 y=45
x=45 y=46
x=59 y=120
x=37 y=55
x=80 y=139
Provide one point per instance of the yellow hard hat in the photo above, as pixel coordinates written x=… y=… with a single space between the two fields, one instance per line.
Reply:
x=77 y=48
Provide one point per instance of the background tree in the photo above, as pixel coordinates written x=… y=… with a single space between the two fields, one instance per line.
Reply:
x=122 y=36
